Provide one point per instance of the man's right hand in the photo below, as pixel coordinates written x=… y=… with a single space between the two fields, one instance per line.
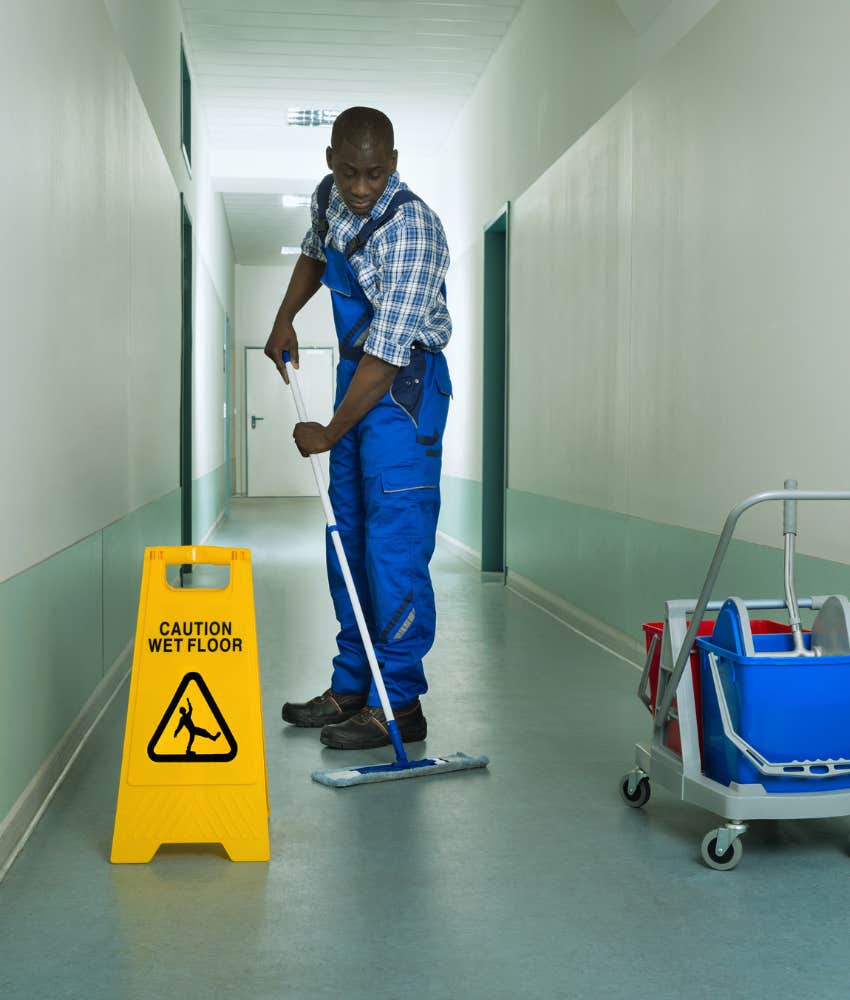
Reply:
x=282 y=338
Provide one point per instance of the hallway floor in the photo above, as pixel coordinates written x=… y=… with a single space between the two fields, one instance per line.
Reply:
x=530 y=879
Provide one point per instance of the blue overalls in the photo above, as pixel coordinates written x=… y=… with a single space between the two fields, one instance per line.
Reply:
x=385 y=491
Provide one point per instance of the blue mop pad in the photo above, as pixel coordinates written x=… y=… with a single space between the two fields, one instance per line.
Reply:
x=398 y=769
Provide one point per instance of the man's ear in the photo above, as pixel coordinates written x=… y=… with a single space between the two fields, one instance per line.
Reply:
x=329 y=157
x=395 y=159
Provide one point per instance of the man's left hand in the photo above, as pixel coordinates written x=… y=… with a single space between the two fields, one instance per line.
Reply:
x=312 y=438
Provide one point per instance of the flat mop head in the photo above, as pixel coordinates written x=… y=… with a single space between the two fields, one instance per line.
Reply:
x=392 y=772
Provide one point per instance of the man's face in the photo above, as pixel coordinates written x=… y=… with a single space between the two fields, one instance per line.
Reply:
x=361 y=173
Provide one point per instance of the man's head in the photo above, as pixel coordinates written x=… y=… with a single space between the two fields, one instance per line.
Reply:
x=361 y=157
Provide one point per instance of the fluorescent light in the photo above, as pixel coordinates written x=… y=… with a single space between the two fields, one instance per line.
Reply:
x=296 y=200
x=290 y=250
x=311 y=117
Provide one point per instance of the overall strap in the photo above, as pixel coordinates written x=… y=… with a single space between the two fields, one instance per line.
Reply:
x=323 y=197
x=362 y=238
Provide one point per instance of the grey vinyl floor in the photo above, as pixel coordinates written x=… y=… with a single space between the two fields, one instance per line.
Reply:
x=528 y=880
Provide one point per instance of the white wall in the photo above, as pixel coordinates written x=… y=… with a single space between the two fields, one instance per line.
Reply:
x=561 y=66
x=667 y=29
x=150 y=36
x=689 y=297
x=546 y=84
x=259 y=292
x=89 y=277
x=741 y=166
x=90 y=272
x=570 y=280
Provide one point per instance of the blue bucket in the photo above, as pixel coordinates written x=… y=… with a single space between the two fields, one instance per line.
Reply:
x=786 y=708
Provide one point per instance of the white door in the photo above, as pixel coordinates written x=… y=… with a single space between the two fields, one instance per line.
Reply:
x=275 y=467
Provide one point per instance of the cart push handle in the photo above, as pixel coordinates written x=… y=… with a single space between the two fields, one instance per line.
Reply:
x=789 y=530
x=789 y=497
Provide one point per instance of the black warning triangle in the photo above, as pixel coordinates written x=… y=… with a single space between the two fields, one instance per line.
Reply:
x=187 y=728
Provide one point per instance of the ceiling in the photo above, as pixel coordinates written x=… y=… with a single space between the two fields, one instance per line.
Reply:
x=260 y=226
x=253 y=60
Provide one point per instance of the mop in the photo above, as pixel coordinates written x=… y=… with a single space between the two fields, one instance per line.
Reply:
x=401 y=767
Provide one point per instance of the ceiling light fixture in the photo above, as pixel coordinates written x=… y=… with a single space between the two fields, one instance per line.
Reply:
x=290 y=250
x=296 y=200
x=310 y=117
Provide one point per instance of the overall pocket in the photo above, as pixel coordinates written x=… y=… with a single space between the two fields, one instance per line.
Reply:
x=435 y=410
x=409 y=385
x=402 y=507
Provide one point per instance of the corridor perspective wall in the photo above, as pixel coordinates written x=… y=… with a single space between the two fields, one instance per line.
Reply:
x=150 y=35
x=90 y=273
x=679 y=315
x=560 y=67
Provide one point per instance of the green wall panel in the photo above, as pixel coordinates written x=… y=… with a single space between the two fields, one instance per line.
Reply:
x=63 y=623
x=621 y=569
x=460 y=513
x=208 y=499
x=124 y=543
x=50 y=658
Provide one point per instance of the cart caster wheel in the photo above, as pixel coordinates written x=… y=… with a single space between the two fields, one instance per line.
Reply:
x=721 y=862
x=639 y=797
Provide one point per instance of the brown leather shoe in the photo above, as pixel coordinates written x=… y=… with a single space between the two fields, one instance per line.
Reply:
x=368 y=728
x=323 y=710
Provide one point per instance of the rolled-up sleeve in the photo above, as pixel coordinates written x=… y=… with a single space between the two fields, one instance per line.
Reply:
x=411 y=260
x=312 y=245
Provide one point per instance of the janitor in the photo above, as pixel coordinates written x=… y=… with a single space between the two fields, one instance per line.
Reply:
x=382 y=254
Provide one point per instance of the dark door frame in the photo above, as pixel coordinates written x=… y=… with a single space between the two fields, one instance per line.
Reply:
x=494 y=451
x=186 y=288
x=228 y=354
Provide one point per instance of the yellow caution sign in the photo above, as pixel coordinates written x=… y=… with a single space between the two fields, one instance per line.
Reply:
x=194 y=767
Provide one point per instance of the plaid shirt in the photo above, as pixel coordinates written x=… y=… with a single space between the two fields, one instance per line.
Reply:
x=401 y=271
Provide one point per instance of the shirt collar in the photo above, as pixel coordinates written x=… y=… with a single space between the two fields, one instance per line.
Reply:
x=382 y=204
x=394 y=185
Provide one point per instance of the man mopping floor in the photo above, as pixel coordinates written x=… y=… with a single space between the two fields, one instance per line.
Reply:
x=382 y=253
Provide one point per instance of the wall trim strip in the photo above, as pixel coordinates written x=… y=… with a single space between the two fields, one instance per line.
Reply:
x=466 y=553
x=610 y=639
x=214 y=527
x=17 y=827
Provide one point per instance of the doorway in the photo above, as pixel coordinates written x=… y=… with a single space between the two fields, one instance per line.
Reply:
x=494 y=470
x=274 y=466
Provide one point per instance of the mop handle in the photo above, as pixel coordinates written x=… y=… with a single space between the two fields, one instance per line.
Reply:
x=346 y=571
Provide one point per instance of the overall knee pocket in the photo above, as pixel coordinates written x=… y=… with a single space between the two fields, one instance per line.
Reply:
x=401 y=521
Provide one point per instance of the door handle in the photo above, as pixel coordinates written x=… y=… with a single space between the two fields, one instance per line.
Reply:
x=255 y=421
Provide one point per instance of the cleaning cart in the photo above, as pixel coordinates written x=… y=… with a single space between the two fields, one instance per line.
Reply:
x=751 y=717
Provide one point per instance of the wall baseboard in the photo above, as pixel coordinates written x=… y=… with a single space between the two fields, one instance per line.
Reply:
x=209 y=534
x=16 y=827
x=586 y=625
x=464 y=551
x=580 y=621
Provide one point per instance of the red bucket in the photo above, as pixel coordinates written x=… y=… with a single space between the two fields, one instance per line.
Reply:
x=651 y=629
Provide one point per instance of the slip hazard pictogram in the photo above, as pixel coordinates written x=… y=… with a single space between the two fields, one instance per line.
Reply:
x=184 y=723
